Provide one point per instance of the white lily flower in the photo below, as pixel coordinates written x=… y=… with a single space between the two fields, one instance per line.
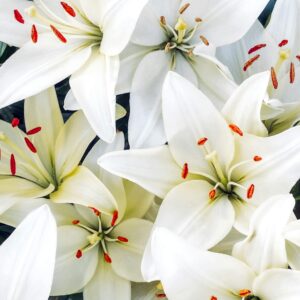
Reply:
x=189 y=273
x=265 y=246
x=167 y=38
x=43 y=160
x=81 y=38
x=211 y=172
x=27 y=258
x=103 y=254
x=274 y=48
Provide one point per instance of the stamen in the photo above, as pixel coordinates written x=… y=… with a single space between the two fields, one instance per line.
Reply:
x=236 y=129
x=184 y=8
x=167 y=47
x=75 y=222
x=213 y=298
x=298 y=57
x=250 y=62
x=198 y=20
x=250 y=191
x=122 y=239
x=212 y=194
x=70 y=10
x=161 y=295
x=13 y=166
x=18 y=16
x=107 y=258
x=30 y=145
x=274 y=78
x=34 y=130
x=202 y=141
x=292 y=73
x=95 y=211
x=34 y=34
x=257 y=158
x=185 y=171
x=256 y=48
x=204 y=40
x=58 y=34
x=163 y=21
x=78 y=254
x=244 y=293
x=15 y=122
x=114 y=218
x=283 y=43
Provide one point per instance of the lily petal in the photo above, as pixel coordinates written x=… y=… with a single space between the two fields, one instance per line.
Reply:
x=53 y=61
x=94 y=88
x=187 y=272
x=27 y=258
x=244 y=106
x=84 y=188
x=157 y=178
x=264 y=247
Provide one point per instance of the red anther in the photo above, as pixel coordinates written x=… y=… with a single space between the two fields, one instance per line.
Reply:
x=298 y=57
x=34 y=130
x=204 y=40
x=245 y=292
x=122 y=239
x=250 y=191
x=202 y=141
x=257 y=158
x=58 y=34
x=15 y=122
x=212 y=194
x=107 y=258
x=236 y=129
x=75 y=222
x=114 y=218
x=30 y=145
x=95 y=211
x=250 y=62
x=78 y=254
x=213 y=298
x=274 y=78
x=18 y=16
x=13 y=165
x=34 y=34
x=256 y=48
x=184 y=8
x=292 y=73
x=283 y=43
x=70 y=10
x=161 y=295
x=185 y=171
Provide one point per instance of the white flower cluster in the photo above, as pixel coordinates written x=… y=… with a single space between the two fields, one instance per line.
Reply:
x=200 y=205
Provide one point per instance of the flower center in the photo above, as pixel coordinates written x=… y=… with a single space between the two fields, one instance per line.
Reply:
x=179 y=37
x=75 y=24
x=223 y=181
x=100 y=236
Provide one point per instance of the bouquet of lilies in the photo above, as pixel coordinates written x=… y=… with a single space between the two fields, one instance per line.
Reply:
x=149 y=149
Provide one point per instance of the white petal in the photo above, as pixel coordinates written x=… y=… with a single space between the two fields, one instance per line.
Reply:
x=27 y=258
x=15 y=33
x=145 y=100
x=72 y=274
x=43 y=111
x=84 y=188
x=39 y=66
x=189 y=116
x=148 y=32
x=94 y=89
x=127 y=257
x=118 y=25
x=244 y=106
x=71 y=143
x=158 y=177
x=278 y=284
x=239 y=17
x=106 y=284
x=280 y=156
x=70 y=102
x=144 y=291
x=292 y=236
x=264 y=247
x=189 y=273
